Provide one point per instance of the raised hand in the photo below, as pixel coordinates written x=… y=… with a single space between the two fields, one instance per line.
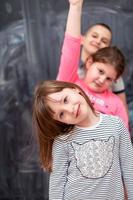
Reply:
x=73 y=25
x=75 y=1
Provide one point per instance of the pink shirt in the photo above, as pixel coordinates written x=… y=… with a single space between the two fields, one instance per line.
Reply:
x=105 y=102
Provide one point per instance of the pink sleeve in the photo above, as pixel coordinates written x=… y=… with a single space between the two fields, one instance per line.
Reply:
x=121 y=112
x=69 y=61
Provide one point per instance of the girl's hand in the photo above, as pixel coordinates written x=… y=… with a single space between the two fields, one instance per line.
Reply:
x=75 y=1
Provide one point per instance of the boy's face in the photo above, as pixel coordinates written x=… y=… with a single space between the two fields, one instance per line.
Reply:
x=99 y=76
x=69 y=107
x=97 y=37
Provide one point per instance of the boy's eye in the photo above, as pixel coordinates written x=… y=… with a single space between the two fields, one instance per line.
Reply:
x=94 y=36
x=105 y=42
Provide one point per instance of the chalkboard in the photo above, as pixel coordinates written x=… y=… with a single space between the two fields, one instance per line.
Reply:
x=30 y=47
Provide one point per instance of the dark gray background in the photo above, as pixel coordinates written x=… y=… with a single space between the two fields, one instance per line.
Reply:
x=31 y=35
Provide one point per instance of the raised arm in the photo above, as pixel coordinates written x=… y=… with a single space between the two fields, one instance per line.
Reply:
x=71 y=47
x=73 y=26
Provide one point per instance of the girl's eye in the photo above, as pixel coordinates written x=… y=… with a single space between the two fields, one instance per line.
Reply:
x=61 y=115
x=65 y=100
x=109 y=79
x=101 y=71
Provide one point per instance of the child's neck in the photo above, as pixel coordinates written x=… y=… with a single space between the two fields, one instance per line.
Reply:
x=92 y=121
x=84 y=55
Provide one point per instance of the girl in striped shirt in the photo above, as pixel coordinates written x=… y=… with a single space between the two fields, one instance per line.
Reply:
x=88 y=154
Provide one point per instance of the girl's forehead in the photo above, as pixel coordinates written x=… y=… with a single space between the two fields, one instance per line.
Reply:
x=57 y=96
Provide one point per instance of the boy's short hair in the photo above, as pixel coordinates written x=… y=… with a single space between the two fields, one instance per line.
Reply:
x=98 y=24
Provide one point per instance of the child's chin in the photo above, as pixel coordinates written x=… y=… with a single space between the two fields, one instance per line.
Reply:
x=97 y=90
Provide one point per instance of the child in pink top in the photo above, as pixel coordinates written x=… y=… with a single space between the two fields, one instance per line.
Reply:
x=104 y=67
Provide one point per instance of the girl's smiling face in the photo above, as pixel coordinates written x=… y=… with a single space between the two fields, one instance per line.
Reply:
x=70 y=107
x=100 y=76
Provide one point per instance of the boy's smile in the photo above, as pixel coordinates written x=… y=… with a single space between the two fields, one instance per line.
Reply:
x=97 y=37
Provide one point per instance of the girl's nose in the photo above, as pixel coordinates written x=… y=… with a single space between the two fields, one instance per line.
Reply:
x=102 y=79
x=69 y=108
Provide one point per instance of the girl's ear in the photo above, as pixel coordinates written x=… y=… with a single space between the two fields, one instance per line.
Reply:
x=89 y=62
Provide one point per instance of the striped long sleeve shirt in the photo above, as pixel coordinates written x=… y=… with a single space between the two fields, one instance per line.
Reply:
x=90 y=163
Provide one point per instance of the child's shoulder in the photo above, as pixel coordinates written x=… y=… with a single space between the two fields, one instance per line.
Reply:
x=64 y=137
x=111 y=118
x=114 y=99
x=111 y=94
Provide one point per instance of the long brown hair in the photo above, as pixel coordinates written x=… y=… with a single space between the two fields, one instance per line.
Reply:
x=47 y=128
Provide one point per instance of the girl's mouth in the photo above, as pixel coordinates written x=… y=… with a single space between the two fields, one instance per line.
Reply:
x=98 y=84
x=77 y=113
